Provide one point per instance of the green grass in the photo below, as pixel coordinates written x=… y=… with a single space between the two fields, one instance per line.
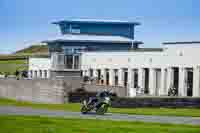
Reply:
x=36 y=124
x=194 y=112
x=10 y=66
x=12 y=62
x=66 y=107
x=33 y=49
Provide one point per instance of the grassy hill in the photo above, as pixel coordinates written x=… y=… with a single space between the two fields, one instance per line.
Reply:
x=34 y=49
x=19 y=59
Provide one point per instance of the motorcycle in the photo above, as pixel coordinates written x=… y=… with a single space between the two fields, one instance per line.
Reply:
x=173 y=92
x=99 y=104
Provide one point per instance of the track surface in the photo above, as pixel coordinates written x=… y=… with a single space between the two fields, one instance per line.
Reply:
x=10 y=110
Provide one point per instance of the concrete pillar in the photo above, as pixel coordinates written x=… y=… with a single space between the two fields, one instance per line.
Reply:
x=36 y=74
x=73 y=62
x=43 y=74
x=162 y=90
x=111 y=77
x=120 y=77
x=103 y=75
x=182 y=90
x=157 y=82
x=84 y=72
x=33 y=74
x=87 y=72
x=196 y=81
x=130 y=78
x=48 y=73
x=95 y=73
x=141 y=77
x=30 y=74
x=90 y=72
x=152 y=81
x=169 y=78
x=39 y=74
x=135 y=71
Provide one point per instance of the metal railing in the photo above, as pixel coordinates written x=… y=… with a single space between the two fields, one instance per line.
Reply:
x=59 y=62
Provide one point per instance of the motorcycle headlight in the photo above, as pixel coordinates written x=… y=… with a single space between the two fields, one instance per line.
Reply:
x=107 y=98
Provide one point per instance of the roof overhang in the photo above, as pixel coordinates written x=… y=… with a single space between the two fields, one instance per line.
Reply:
x=96 y=21
x=175 y=43
x=89 y=38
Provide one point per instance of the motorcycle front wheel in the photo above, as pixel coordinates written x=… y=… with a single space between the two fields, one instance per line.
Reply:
x=102 y=110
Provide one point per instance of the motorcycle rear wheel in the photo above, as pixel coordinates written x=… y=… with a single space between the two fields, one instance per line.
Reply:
x=84 y=109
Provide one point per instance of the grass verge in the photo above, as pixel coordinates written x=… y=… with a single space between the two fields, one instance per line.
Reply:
x=36 y=124
x=10 y=66
x=192 y=112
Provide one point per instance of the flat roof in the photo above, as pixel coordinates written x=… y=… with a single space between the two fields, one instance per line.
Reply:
x=147 y=49
x=174 y=43
x=89 y=38
x=97 y=21
x=133 y=50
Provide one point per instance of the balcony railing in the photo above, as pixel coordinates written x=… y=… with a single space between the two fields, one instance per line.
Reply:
x=60 y=61
x=65 y=67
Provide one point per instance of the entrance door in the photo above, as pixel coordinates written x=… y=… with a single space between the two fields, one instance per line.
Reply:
x=107 y=77
x=116 y=77
x=146 y=85
x=176 y=78
x=135 y=78
x=69 y=61
x=125 y=78
x=189 y=83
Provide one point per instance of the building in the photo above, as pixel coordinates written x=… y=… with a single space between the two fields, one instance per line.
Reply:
x=78 y=36
x=154 y=70
x=107 y=50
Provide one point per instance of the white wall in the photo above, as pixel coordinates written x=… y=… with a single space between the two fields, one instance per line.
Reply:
x=173 y=55
x=39 y=64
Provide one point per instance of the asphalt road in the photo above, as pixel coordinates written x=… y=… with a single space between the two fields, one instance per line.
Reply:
x=10 y=110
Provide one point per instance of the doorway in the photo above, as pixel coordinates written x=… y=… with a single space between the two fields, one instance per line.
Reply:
x=189 y=82
x=116 y=77
x=125 y=78
x=107 y=77
x=98 y=75
x=146 y=84
x=176 y=78
x=135 y=78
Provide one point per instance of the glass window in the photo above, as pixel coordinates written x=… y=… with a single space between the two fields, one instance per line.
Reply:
x=60 y=59
x=68 y=50
x=75 y=29
x=91 y=72
x=40 y=73
x=36 y=74
x=45 y=73
x=76 y=62
x=135 y=78
x=116 y=77
x=69 y=61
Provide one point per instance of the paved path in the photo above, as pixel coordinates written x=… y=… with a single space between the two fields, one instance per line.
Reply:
x=10 y=110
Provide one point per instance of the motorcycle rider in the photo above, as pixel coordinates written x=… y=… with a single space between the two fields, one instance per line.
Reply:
x=98 y=97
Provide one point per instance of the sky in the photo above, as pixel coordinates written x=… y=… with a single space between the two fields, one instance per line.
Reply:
x=25 y=22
